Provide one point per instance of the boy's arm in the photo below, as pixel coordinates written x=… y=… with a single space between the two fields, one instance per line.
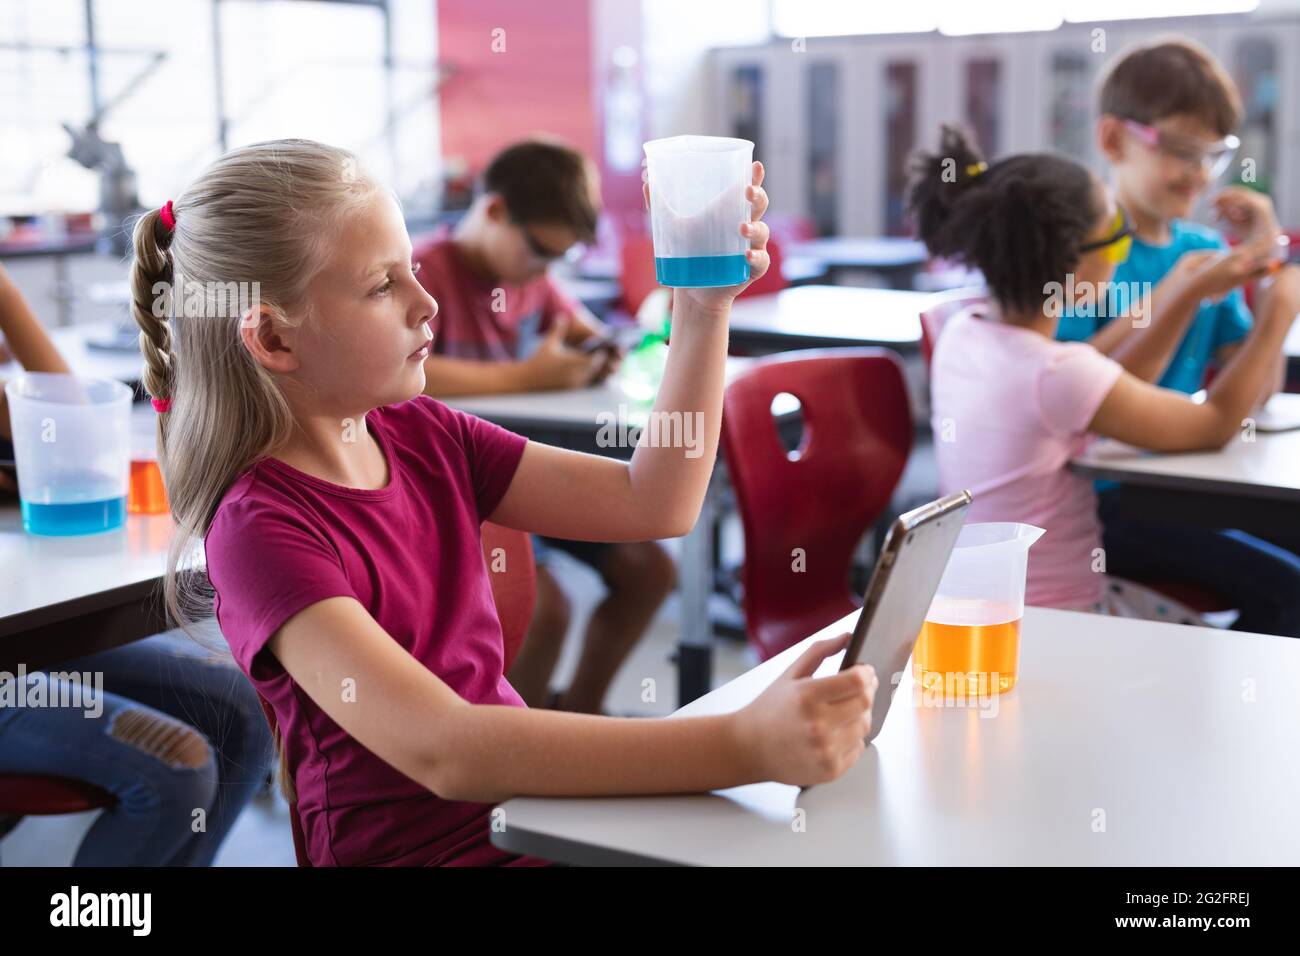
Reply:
x=25 y=339
x=1248 y=214
x=583 y=325
x=1159 y=419
x=552 y=366
x=1145 y=351
x=448 y=377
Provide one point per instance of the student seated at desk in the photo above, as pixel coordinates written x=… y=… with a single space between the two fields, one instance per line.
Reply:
x=341 y=511
x=174 y=731
x=505 y=326
x=1012 y=405
x=1167 y=115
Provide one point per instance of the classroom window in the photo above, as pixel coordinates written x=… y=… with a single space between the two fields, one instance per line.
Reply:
x=823 y=146
x=1071 y=110
x=158 y=89
x=44 y=83
x=208 y=75
x=746 y=97
x=984 y=103
x=900 y=140
x=1257 y=78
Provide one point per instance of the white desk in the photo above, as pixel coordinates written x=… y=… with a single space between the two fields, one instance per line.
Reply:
x=828 y=316
x=64 y=597
x=1148 y=723
x=46 y=579
x=1268 y=467
x=1251 y=485
x=898 y=258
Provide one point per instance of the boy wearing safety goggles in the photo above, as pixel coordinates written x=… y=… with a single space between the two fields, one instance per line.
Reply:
x=1167 y=115
x=1167 y=112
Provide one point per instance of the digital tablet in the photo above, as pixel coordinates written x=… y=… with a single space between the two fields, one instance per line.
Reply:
x=903 y=584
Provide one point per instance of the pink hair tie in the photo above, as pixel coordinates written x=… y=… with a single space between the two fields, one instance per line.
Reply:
x=161 y=404
x=167 y=215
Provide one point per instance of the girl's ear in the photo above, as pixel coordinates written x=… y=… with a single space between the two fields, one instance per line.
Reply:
x=268 y=339
x=1110 y=137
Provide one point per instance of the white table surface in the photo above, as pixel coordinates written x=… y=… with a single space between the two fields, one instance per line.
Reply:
x=571 y=409
x=1267 y=467
x=865 y=251
x=50 y=578
x=1184 y=738
x=840 y=314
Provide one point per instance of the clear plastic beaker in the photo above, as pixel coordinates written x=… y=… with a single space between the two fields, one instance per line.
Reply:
x=697 y=204
x=970 y=643
x=72 y=448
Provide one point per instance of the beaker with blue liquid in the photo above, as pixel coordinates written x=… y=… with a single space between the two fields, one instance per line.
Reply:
x=697 y=204
x=72 y=451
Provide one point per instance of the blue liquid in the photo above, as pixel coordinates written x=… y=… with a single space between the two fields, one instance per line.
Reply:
x=701 y=272
x=75 y=517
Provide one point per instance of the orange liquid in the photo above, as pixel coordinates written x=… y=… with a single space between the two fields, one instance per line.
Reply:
x=147 y=495
x=967 y=660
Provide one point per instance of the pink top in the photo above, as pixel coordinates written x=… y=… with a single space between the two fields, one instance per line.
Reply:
x=1010 y=409
x=411 y=554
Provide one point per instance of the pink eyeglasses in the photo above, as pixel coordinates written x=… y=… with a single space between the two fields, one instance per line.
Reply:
x=1214 y=158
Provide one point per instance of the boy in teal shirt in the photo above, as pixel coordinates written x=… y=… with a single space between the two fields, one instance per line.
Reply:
x=1167 y=115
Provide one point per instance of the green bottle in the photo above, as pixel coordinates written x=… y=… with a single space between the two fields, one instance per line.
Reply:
x=643 y=366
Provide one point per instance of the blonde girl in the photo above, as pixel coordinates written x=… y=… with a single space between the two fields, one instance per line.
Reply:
x=341 y=510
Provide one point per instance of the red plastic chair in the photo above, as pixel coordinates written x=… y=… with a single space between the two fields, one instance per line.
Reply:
x=637 y=272
x=514 y=589
x=819 y=501
x=789 y=228
x=772 y=280
x=41 y=795
x=939 y=310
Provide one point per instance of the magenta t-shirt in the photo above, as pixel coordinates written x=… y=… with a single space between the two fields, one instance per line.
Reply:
x=411 y=554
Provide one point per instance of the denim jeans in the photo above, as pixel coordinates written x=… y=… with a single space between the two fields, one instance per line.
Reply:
x=177 y=733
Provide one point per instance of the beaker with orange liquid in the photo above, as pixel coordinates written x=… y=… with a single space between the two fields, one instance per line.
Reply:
x=145 y=494
x=969 y=645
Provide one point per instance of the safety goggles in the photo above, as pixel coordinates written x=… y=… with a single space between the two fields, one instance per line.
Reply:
x=1115 y=247
x=1214 y=158
x=544 y=254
